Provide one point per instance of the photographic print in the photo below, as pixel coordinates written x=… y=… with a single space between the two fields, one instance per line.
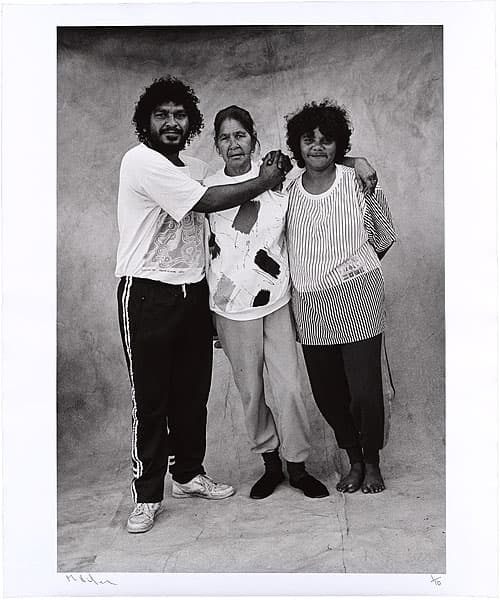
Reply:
x=248 y=79
x=262 y=336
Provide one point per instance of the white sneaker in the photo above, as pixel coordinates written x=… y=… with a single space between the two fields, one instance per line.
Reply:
x=202 y=486
x=142 y=518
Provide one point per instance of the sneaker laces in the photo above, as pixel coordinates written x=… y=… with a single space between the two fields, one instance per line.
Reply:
x=208 y=483
x=144 y=508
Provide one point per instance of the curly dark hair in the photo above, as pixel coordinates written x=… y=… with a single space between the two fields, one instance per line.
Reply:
x=166 y=89
x=331 y=119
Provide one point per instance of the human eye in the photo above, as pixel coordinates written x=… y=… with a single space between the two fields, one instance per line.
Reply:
x=159 y=114
x=181 y=115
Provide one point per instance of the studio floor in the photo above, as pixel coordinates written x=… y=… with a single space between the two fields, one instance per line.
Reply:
x=401 y=530
x=398 y=531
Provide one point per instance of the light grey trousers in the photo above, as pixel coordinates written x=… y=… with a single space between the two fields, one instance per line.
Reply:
x=268 y=343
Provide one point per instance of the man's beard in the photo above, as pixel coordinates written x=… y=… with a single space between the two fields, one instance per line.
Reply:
x=155 y=142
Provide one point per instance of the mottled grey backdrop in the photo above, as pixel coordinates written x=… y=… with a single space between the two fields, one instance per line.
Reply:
x=390 y=78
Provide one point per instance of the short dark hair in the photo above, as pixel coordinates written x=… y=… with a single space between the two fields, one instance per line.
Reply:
x=167 y=89
x=238 y=114
x=330 y=118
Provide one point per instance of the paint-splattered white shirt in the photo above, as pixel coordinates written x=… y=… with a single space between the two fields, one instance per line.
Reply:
x=248 y=272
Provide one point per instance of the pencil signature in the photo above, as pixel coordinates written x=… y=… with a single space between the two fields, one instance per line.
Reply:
x=89 y=579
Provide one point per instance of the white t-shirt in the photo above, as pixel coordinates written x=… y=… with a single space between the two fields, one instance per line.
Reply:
x=160 y=238
x=248 y=272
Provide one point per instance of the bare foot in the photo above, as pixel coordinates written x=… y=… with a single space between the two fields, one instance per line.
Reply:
x=373 y=482
x=352 y=481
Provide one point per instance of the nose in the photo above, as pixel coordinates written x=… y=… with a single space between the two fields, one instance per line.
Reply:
x=233 y=142
x=169 y=120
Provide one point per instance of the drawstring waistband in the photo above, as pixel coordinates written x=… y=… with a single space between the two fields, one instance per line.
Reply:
x=179 y=288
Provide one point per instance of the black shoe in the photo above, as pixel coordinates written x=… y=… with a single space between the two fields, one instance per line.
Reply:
x=311 y=487
x=266 y=485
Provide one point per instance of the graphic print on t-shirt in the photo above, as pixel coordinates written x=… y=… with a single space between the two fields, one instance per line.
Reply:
x=267 y=263
x=174 y=245
x=246 y=216
x=222 y=294
x=262 y=298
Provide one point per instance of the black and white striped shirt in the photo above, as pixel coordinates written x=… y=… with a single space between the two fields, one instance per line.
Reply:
x=333 y=241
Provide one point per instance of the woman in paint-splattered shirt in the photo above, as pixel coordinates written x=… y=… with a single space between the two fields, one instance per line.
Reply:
x=248 y=277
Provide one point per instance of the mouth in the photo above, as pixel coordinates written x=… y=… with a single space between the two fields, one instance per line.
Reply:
x=239 y=155
x=171 y=134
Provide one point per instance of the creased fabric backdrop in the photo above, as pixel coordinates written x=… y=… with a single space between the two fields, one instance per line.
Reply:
x=390 y=79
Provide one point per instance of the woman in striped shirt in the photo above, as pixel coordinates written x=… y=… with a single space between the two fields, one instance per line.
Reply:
x=336 y=236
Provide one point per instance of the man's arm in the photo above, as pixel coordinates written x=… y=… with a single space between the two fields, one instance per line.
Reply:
x=221 y=197
x=365 y=173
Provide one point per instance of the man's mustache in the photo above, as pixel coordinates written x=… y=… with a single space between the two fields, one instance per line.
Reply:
x=171 y=130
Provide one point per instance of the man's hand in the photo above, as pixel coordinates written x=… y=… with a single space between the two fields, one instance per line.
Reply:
x=284 y=164
x=270 y=171
x=221 y=197
x=366 y=175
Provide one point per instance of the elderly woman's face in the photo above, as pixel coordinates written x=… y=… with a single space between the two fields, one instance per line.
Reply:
x=317 y=150
x=235 y=145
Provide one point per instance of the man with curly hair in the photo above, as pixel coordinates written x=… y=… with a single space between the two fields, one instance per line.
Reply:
x=164 y=315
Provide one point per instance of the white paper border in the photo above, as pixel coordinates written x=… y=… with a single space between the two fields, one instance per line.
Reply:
x=29 y=296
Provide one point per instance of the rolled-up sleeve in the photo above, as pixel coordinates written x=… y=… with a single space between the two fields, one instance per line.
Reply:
x=378 y=221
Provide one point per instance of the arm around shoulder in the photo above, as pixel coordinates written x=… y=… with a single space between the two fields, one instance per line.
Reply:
x=366 y=175
x=222 y=197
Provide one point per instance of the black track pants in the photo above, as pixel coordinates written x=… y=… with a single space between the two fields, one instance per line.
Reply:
x=346 y=382
x=167 y=338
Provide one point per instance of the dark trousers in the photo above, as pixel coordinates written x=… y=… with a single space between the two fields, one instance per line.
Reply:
x=167 y=338
x=346 y=381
